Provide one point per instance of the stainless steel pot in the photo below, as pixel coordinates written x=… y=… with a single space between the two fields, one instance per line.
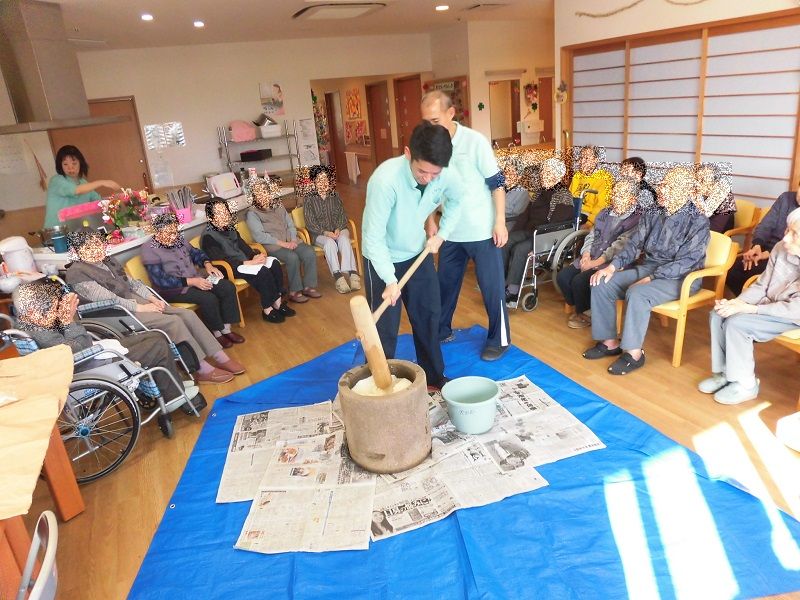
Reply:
x=46 y=235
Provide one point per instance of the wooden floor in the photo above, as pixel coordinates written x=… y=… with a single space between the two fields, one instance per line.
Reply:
x=100 y=551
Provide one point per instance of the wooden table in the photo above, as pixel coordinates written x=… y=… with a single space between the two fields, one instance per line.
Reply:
x=14 y=545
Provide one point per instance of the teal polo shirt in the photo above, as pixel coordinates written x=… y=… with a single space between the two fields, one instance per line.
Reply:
x=475 y=161
x=61 y=194
x=394 y=216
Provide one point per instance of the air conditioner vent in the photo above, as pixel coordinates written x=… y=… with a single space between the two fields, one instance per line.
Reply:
x=349 y=10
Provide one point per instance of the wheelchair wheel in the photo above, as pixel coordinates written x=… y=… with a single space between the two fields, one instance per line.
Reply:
x=566 y=252
x=530 y=301
x=165 y=425
x=99 y=427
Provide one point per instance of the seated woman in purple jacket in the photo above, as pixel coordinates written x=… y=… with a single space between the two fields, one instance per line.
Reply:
x=173 y=264
x=612 y=228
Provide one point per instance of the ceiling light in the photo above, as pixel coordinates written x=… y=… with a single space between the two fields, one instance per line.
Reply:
x=442 y=7
x=147 y=17
x=199 y=24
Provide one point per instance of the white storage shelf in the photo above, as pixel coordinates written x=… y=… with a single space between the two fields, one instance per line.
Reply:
x=285 y=143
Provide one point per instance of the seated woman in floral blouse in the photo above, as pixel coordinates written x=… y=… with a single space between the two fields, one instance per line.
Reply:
x=327 y=225
x=172 y=264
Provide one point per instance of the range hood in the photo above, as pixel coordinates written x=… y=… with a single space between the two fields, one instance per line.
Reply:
x=41 y=71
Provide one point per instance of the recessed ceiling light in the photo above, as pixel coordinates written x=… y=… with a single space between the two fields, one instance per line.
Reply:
x=147 y=17
x=199 y=24
x=442 y=7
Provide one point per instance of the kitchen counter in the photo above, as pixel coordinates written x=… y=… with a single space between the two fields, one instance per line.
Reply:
x=129 y=248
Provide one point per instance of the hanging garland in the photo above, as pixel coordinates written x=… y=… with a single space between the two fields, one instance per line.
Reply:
x=631 y=5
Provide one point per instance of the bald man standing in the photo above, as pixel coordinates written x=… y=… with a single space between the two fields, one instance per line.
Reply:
x=480 y=232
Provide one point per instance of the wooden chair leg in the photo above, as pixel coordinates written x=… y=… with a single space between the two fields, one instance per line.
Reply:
x=680 y=330
x=664 y=320
x=61 y=479
x=620 y=304
x=241 y=312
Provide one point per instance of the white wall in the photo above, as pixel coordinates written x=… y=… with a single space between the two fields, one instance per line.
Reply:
x=497 y=45
x=450 y=52
x=210 y=85
x=652 y=15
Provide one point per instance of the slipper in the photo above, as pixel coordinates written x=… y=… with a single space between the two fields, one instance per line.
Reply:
x=600 y=350
x=298 y=297
x=625 y=364
x=312 y=293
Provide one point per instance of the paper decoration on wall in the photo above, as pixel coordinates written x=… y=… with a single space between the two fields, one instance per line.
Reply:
x=355 y=132
x=352 y=104
x=307 y=142
x=163 y=135
x=271 y=95
x=616 y=11
x=12 y=156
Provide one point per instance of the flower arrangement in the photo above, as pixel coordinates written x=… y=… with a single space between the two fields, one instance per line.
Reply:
x=123 y=207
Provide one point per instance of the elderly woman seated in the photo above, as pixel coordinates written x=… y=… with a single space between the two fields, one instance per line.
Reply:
x=46 y=312
x=327 y=225
x=272 y=226
x=96 y=276
x=553 y=204
x=762 y=312
x=589 y=176
x=172 y=264
x=673 y=244
x=612 y=228
x=223 y=242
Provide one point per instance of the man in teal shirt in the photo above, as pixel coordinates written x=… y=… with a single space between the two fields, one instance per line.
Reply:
x=401 y=193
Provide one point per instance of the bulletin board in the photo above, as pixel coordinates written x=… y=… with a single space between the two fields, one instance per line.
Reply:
x=458 y=90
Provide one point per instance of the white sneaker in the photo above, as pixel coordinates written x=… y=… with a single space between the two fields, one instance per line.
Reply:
x=712 y=384
x=736 y=393
x=355 y=282
x=190 y=391
x=341 y=285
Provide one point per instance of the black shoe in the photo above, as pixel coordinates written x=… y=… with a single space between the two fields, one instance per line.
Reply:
x=286 y=311
x=625 y=364
x=273 y=317
x=493 y=352
x=511 y=298
x=600 y=350
x=199 y=403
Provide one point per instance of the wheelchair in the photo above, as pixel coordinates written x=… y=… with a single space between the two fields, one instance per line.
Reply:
x=102 y=415
x=555 y=245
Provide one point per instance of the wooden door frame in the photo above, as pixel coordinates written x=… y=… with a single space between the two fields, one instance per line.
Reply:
x=396 y=83
x=373 y=138
x=333 y=139
x=138 y=124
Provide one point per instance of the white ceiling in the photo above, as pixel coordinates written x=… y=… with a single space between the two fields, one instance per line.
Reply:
x=106 y=24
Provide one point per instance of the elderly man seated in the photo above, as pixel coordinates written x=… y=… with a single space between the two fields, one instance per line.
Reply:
x=762 y=312
x=672 y=243
x=46 y=312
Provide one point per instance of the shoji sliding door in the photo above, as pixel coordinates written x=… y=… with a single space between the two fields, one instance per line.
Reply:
x=723 y=92
x=598 y=101
x=664 y=100
x=750 y=110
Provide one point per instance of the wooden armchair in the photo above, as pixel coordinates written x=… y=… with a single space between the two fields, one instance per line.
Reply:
x=240 y=284
x=720 y=255
x=244 y=231
x=298 y=216
x=747 y=216
x=136 y=269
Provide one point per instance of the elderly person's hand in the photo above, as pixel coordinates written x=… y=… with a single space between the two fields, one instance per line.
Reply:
x=606 y=273
x=728 y=308
x=214 y=271
x=67 y=307
x=752 y=257
x=200 y=283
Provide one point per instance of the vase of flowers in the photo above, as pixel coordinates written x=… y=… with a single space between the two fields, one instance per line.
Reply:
x=123 y=207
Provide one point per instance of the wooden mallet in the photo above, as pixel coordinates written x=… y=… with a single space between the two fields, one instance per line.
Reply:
x=367 y=333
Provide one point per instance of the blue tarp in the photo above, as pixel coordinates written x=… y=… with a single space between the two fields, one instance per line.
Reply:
x=640 y=518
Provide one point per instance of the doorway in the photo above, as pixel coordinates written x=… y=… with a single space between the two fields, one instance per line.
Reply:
x=504 y=99
x=546 y=108
x=408 y=96
x=333 y=112
x=380 y=125
x=114 y=151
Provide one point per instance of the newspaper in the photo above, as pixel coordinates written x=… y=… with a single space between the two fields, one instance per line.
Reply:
x=309 y=520
x=253 y=444
x=312 y=498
